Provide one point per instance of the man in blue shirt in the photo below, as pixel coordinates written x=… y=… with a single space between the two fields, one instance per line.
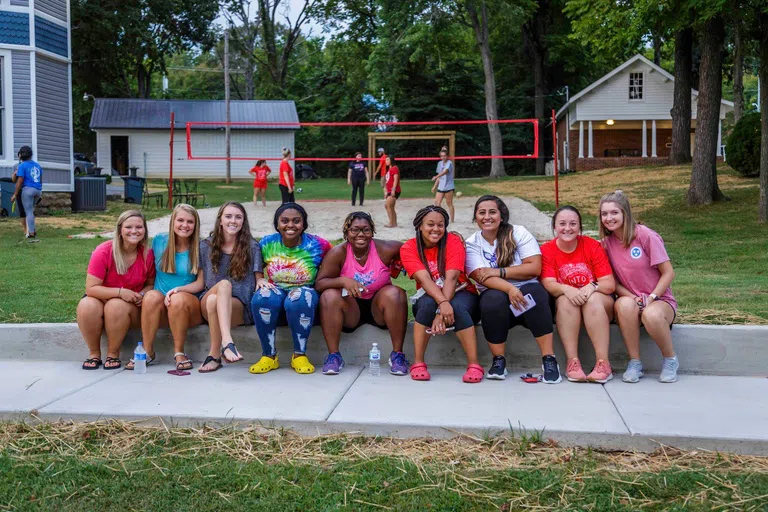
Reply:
x=29 y=187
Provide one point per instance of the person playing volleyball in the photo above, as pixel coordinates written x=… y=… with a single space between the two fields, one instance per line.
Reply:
x=444 y=182
x=260 y=172
x=391 y=191
x=382 y=168
x=286 y=178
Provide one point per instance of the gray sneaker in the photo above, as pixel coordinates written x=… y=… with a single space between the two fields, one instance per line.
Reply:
x=669 y=370
x=634 y=371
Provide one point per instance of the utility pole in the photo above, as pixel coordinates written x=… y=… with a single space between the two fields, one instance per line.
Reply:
x=226 y=101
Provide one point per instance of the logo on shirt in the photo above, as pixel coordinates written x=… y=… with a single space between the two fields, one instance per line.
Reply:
x=636 y=253
x=490 y=257
x=576 y=274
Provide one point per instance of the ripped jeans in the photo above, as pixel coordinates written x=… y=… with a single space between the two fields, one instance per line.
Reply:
x=296 y=306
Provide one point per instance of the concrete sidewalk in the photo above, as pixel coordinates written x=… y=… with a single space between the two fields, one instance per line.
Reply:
x=699 y=412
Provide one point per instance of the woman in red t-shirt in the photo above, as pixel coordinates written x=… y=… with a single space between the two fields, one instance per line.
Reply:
x=286 y=178
x=120 y=272
x=575 y=270
x=391 y=191
x=435 y=259
x=260 y=172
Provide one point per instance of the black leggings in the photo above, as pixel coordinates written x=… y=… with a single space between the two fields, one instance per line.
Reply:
x=358 y=184
x=464 y=306
x=498 y=318
x=287 y=196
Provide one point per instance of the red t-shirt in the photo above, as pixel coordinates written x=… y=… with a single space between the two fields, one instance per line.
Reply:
x=383 y=165
x=286 y=167
x=586 y=264
x=102 y=265
x=454 y=260
x=390 y=179
x=260 y=175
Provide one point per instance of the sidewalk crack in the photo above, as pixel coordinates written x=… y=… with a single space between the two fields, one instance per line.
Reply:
x=77 y=390
x=629 y=430
x=343 y=394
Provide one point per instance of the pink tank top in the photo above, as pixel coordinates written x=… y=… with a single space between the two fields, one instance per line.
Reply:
x=374 y=275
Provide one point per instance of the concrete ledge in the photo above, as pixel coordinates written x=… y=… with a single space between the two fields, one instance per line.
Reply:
x=703 y=349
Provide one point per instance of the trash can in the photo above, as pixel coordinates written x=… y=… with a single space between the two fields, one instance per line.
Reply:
x=133 y=190
x=7 y=188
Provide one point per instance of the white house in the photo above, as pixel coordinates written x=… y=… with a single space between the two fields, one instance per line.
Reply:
x=36 y=88
x=623 y=119
x=136 y=133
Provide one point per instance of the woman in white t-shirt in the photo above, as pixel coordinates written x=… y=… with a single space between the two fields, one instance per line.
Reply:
x=505 y=260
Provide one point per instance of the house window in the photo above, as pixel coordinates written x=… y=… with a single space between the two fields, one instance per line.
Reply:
x=635 y=86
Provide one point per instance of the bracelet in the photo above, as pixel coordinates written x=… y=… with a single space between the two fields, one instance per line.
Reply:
x=503 y=273
x=438 y=304
x=595 y=284
x=118 y=292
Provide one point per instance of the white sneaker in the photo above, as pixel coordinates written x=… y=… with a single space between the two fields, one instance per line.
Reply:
x=669 y=370
x=634 y=371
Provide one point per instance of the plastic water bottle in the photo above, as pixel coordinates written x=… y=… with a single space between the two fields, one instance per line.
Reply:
x=374 y=357
x=140 y=359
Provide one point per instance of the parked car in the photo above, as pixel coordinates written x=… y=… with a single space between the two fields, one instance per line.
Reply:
x=82 y=164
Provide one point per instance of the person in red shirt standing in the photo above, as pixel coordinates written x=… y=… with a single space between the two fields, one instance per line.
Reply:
x=435 y=259
x=575 y=270
x=286 y=178
x=391 y=191
x=260 y=172
x=382 y=168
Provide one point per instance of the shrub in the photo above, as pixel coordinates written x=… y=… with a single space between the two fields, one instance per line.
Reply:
x=743 y=149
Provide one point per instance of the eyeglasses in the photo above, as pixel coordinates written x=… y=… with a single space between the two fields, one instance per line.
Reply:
x=357 y=231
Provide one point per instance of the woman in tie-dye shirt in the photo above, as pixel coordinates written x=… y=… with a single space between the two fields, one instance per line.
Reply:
x=286 y=294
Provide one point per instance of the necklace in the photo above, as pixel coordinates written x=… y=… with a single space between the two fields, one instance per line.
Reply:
x=361 y=258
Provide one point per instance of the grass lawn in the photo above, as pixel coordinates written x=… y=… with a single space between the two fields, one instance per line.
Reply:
x=119 y=466
x=719 y=251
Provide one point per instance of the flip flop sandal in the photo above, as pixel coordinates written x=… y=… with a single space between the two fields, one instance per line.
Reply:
x=419 y=372
x=474 y=374
x=210 y=359
x=113 y=360
x=132 y=364
x=182 y=365
x=231 y=347
x=95 y=361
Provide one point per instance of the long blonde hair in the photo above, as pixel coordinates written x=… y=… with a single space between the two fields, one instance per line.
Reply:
x=240 y=262
x=628 y=228
x=118 y=252
x=168 y=261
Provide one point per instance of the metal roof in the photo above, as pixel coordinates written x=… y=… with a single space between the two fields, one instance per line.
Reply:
x=124 y=113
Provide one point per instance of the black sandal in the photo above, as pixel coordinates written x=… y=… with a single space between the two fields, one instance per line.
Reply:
x=184 y=365
x=208 y=360
x=113 y=360
x=231 y=347
x=95 y=361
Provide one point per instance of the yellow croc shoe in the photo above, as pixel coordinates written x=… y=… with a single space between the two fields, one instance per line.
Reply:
x=301 y=364
x=265 y=364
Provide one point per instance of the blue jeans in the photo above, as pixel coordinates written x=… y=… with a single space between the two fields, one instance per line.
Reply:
x=29 y=198
x=299 y=305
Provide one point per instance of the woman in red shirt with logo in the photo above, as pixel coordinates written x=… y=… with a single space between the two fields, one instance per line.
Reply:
x=286 y=178
x=260 y=172
x=391 y=191
x=575 y=270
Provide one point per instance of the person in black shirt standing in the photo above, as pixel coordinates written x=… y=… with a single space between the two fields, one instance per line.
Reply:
x=357 y=176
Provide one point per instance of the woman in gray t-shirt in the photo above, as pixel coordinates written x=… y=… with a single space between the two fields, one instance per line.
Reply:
x=443 y=178
x=231 y=263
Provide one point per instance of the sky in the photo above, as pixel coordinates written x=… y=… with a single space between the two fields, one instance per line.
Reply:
x=289 y=7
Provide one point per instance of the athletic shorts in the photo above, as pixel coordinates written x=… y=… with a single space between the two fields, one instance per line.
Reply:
x=396 y=194
x=445 y=191
x=366 y=316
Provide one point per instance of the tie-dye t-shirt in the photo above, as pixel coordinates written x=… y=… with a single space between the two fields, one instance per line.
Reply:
x=288 y=267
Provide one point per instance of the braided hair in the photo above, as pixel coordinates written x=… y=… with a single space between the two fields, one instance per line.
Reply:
x=357 y=216
x=291 y=206
x=505 y=250
x=417 y=221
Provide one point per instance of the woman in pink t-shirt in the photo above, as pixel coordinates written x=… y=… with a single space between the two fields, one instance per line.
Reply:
x=120 y=272
x=575 y=270
x=643 y=274
x=355 y=288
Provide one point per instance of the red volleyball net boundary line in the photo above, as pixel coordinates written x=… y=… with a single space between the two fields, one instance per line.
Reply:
x=374 y=125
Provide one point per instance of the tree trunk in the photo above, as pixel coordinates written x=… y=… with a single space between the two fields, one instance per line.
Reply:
x=143 y=81
x=704 y=188
x=534 y=33
x=762 y=208
x=680 y=152
x=738 y=74
x=657 y=49
x=482 y=35
x=249 y=84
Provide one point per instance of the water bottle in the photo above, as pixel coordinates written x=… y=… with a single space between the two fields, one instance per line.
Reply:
x=140 y=359
x=374 y=357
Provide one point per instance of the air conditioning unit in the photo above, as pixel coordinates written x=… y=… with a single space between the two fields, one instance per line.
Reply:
x=90 y=194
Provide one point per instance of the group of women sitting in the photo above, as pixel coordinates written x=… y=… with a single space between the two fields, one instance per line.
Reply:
x=499 y=276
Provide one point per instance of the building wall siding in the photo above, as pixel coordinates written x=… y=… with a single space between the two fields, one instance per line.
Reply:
x=55 y=8
x=148 y=151
x=51 y=37
x=53 y=126
x=14 y=27
x=56 y=176
x=20 y=3
x=22 y=100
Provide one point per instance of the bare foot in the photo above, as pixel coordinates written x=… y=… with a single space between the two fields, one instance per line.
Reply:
x=390 y=225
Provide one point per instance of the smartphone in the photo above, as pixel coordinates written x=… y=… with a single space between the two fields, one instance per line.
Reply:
x=530 y=303
x=344 y=291
x=429 y=331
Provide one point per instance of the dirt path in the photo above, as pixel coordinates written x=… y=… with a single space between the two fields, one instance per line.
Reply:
x=326 y=218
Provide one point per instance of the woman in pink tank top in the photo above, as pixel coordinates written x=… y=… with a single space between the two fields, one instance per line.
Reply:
x=355 y=287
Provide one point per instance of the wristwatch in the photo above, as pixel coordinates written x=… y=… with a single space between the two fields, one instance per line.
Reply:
x=594 y=283
x=653 y=296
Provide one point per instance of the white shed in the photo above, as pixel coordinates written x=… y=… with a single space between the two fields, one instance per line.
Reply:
x=136 y=133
